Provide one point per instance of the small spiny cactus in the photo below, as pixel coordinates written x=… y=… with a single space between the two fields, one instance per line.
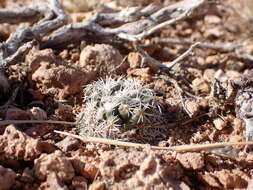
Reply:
x=113 y=107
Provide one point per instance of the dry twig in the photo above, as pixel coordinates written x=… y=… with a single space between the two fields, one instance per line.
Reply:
x=167 y=68
x=132 y=30
x=219 y=47
x=183 y=56
x=135 y=25
x=180 y=148
x=30 y=14
x=21 y=41
x=8 y=122
x=153 y=63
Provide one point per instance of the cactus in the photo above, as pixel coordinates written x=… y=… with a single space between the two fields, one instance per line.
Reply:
x=113 y=107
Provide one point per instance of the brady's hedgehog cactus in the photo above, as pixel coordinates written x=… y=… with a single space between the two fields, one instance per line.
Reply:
x=113 y=107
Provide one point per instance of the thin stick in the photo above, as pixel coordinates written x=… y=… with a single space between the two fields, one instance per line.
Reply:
x=184 y=55
x=153 y=63
x=8 y=122
x=118 y=66
x=180 y=148
x=144 y=34
x=164 y=67
x=204 y=45
x=188 y=6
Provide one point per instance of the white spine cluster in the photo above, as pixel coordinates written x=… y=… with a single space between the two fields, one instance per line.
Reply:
x=113 y=107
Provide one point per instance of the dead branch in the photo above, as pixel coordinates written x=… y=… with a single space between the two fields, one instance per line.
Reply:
x=134 y=30
x=18 y=55
x=157 y=21
x=243 y=55
x=166 y=68
x=135 y=24
x=16 y=45
x=24 y=14
x=129 y=14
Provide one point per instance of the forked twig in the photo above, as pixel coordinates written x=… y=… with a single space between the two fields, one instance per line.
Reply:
x=182 y=56
x=127 y=25
x=153 y=63
x=142 y=23
x=164 y=67
x=167 y=68
x=21 y=41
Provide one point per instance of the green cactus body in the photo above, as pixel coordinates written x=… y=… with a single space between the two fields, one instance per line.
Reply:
x=116 y=106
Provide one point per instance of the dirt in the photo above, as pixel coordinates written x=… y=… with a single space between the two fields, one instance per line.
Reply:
x=49 y=84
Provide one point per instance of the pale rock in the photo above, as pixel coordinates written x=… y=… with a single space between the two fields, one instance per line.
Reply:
x=220 y=124
x=55 y=162
x=38 y=113
x=221 y=76
x=212 y=19
x=191 y=160
x=208 y=75
x=201 y=85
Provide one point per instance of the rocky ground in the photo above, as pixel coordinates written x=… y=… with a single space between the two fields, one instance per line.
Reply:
x=48 y=85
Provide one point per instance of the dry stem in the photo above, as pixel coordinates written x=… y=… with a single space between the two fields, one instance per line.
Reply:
x=132 y=30
x=167 y=68
x=180 y=148
x=129 y=24
x=183 y=56
x=204 y=45
x=8 y=122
